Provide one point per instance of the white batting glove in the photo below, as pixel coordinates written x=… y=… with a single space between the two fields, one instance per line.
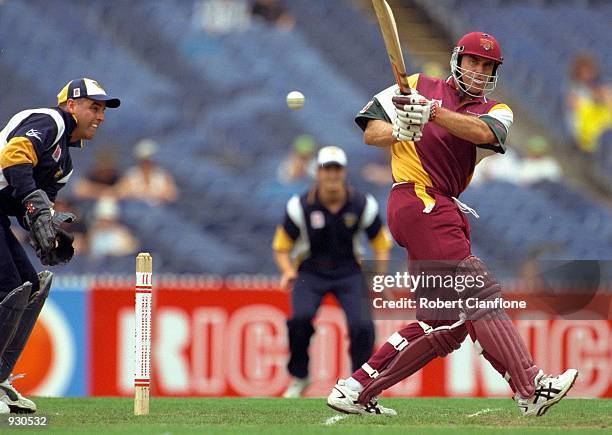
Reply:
x=412 y=111
x=403 y=131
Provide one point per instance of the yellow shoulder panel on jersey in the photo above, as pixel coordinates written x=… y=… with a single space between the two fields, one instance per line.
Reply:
x=413 y=80
x=19 y=150
x=382 y=240
x=500 y=106
x=282 y=241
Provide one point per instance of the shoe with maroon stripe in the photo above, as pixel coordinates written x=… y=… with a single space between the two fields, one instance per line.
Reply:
x=343 y=399
x=549 y=390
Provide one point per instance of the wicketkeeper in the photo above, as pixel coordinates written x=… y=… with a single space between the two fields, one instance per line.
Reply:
x=35 y=164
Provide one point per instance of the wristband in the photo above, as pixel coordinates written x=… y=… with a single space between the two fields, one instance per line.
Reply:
x=433 y=112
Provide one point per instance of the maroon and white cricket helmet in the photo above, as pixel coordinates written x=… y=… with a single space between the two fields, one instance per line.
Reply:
x=477 y=44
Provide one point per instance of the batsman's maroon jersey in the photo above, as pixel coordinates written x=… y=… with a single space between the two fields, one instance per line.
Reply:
x=439 y=161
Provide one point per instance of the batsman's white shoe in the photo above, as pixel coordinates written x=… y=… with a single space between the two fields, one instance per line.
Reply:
x=343 y=399
x=13 y=399
x=296 y=388
x=549 y=390
x=4 y=409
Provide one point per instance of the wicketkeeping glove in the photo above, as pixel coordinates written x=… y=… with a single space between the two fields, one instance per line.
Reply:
x=62 y=250
x=39 y=218
x=61 y=253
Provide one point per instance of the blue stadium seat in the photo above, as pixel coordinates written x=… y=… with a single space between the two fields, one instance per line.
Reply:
x=219 y=116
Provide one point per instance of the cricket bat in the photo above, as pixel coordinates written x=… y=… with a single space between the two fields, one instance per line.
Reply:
x=388 y=28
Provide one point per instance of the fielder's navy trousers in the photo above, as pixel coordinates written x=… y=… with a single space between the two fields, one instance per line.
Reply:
x=306 y=297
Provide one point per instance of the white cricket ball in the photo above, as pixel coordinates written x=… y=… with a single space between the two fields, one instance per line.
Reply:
x=295 y=100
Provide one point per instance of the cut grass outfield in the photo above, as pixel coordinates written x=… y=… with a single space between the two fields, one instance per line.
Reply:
x=306 y=416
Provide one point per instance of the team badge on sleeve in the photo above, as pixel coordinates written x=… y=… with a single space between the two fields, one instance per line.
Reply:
x=57 y=153
x=367 y=106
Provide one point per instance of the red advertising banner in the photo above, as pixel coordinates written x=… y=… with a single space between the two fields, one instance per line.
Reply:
x=222 y=340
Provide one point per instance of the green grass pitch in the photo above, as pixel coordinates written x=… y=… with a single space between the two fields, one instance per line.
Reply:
x=311 y=416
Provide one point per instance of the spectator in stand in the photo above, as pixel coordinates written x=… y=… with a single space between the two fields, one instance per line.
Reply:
x=147 y=181
x=537 y=165
x=101 y=180
x=107 y=237
x=217 y=17
x=273 y=12
x=501 y=167
x=299 y=165
x=588 y=103
x=593 y=117
x=434 y=69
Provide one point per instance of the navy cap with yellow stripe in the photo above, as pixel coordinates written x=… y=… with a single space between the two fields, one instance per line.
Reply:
x=86 y=88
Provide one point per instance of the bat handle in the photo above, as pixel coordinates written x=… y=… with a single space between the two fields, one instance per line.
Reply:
x=402 y=81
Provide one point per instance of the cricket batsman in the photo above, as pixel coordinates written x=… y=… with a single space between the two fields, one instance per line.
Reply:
x=35 y=164
x=437 y=135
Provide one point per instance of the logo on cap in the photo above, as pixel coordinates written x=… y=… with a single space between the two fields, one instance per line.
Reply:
x=485 y=42
x=76 y=92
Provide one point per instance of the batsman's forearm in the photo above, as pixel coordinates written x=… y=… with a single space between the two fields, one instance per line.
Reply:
x=283 y=261
x=379 y=134
x=466 y=127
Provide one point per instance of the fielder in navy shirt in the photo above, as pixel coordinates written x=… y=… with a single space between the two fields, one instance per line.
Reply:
x=317 y=250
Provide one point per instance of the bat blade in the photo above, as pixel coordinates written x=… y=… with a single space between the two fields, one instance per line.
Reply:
x=388 y=28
